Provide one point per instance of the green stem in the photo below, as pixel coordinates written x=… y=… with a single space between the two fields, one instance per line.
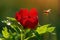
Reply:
x=22 y=35
x=30 y=37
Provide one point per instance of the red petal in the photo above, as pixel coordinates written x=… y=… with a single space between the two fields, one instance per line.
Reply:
x=33 y=12
x=25 y=13
x=29 y=23
x=17 y=16
x=21 y=11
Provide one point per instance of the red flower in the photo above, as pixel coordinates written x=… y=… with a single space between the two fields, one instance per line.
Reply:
x=28 y=19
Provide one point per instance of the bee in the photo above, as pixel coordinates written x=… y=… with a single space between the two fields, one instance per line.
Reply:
x=47 y=11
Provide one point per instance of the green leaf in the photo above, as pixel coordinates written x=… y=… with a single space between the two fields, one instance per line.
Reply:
x=27 y=30
x=5 y=32
x=10 y=18
x=42 y=29
x=11 y=24
x=51 y=29
x=2 y=39
x=14 y=27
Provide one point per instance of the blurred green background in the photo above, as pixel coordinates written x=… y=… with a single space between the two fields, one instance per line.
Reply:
x=9 y=8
